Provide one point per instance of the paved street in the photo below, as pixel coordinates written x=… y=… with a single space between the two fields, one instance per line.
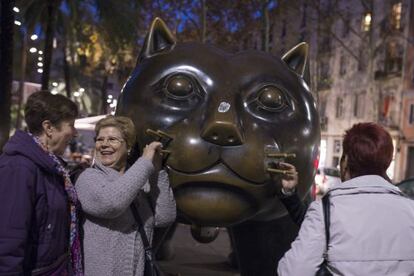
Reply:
x=196 y=259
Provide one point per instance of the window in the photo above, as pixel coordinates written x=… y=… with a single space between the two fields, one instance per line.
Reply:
x=345 y=26
x=386 y=105
x=324 y=81
x=366 y=22
x=325 y=44
x=396 y=16
x=335 y=163
x=342 y=66
x=359 y=102
x=337 y=146
x=362 y=61
x=324 y=69
x=411 y=117
x=322 y=107
x=394 y=56
x=339 y=107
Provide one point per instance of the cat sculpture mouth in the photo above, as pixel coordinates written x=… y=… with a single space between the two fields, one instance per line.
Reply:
x=217 y=196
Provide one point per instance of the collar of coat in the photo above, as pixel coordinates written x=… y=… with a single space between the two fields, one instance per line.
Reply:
x=365 y=184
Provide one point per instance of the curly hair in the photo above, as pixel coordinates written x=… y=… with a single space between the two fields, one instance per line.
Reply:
x=123 y=124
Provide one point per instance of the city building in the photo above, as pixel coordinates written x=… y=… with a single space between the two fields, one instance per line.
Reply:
x=362 y=69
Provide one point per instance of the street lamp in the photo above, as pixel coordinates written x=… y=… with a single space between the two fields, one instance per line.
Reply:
x=16 y=9
x=33 y=50
x=33 y=37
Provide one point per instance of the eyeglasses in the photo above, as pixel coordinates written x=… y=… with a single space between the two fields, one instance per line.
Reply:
x=113 y=141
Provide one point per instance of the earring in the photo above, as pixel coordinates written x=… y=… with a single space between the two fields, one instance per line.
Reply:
x=129 y=152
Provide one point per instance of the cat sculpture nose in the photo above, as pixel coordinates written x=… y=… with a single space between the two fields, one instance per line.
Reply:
x=223 y=134
x=222 y=127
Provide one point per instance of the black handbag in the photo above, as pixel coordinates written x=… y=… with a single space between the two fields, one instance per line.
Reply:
x=323 y=270
x=151 y=267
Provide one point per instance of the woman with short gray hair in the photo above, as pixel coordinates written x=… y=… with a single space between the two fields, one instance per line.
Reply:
x=108 y=192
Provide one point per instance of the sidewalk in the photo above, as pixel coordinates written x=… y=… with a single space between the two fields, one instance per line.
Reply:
x=196 y=259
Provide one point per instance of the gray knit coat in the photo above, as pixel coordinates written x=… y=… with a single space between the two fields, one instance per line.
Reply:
x=112 y=242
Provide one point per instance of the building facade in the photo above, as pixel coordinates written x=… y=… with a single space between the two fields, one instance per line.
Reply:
x=362 y=68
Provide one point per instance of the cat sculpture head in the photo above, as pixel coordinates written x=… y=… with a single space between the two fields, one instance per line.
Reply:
x=224 y=119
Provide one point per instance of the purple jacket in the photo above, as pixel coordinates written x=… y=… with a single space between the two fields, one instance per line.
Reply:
x=34 y=210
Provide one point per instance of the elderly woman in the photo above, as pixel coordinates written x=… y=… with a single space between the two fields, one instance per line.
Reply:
x=112 y=241
x=38 y=223
x=371 y=221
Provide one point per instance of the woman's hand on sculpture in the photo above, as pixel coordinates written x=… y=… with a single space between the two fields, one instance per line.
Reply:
x=152 y=152
x=290 y=179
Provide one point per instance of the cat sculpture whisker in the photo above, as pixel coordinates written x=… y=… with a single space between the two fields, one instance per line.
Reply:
x=281 y=155
x=284 y=172
x=160 y=135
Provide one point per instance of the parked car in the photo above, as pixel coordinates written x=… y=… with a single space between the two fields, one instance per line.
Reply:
x=325 y=178
x=407 y=186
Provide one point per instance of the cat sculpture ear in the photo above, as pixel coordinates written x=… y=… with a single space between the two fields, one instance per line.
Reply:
x=159 y=39
x=297 y=59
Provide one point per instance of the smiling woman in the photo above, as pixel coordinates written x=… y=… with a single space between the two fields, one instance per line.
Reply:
x=110 y=192
x=115 y=137
x=37 y=199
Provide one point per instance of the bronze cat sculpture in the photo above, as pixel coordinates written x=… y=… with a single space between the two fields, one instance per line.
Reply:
x=225 y=120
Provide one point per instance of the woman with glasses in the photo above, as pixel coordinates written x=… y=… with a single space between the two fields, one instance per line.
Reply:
x=109 y=190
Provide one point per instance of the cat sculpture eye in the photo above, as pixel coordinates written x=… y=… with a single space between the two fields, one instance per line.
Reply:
x=271 y=98
x=179 y=87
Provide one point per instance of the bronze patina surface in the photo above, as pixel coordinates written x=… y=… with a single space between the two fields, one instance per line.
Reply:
x=225 y=119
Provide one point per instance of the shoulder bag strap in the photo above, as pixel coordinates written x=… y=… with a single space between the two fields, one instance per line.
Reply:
x=140 y=226
x=326 y=218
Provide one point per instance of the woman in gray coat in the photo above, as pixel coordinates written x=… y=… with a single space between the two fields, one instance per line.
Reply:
x=371 y=221
x=112 y=241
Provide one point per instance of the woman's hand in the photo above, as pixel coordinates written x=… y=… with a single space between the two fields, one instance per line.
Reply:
x=289 y=180
x=152 y=152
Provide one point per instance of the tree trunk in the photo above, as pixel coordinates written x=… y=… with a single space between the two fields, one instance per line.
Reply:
x=265 y=26
x=66 y=72
x=104 y=95
x=48 y=50
x=6 y=67
x=22 y=79
x=203 y=21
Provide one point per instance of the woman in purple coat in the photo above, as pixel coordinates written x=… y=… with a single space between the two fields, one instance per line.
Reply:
x=38 y=223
